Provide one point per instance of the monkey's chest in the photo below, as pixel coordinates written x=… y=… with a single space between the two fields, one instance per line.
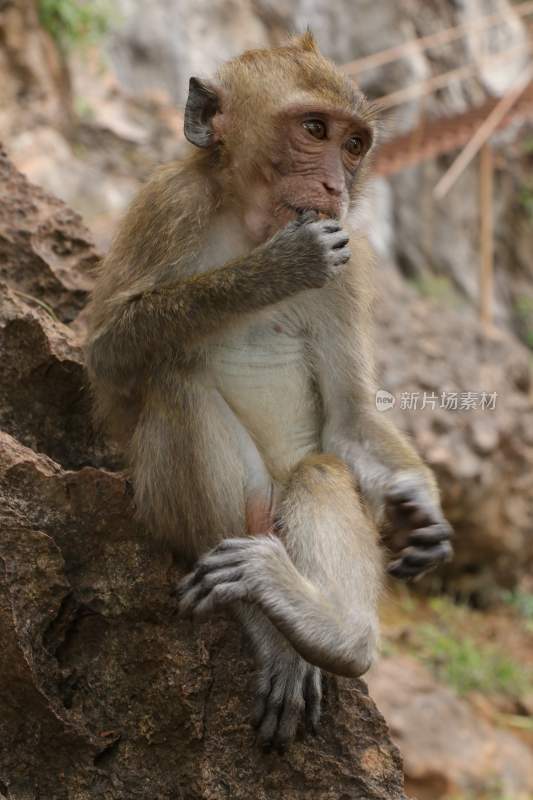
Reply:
x=263 y=374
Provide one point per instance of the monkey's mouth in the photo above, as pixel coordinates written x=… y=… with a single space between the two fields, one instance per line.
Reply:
x=320 y=212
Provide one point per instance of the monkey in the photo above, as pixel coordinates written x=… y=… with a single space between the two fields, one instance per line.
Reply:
x=230 y=351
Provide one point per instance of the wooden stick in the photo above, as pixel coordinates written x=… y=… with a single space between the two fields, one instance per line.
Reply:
x=433 y=39
x=445 y=78
x=486 y=235
x=483 y=133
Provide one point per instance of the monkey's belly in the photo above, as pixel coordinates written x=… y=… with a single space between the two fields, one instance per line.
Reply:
x=266 y=382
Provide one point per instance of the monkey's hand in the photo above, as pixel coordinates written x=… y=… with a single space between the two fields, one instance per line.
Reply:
x=236 y=569
x=420 y=531
x=309 y=251
x=288 y=689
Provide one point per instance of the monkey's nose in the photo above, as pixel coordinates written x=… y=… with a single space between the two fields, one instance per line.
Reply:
x=332 y=188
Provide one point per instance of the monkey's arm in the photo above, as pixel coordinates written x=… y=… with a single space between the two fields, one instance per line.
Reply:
x=398 y=487
x=146 y=324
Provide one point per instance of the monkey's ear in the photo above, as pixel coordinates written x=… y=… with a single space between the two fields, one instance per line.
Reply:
x=202 y=105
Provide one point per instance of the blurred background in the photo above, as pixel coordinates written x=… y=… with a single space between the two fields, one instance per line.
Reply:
x=91 y=100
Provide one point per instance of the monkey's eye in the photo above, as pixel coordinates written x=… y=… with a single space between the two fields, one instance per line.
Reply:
x=355 y=146
x=316 y=128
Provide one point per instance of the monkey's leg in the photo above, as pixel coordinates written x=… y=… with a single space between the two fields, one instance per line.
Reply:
x=318 y=583
x=213 y=461
x=196 y=472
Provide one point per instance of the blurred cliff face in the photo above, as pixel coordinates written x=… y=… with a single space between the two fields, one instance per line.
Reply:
x=158 y=45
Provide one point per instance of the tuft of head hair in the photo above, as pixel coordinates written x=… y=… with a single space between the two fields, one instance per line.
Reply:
x=306 y=41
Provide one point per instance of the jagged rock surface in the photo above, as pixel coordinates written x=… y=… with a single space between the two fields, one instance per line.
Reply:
x=104 y=692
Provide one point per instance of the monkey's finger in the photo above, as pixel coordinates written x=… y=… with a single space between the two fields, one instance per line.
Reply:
x=223 y=594
x=341 y=256
x=313 y=700
x=411 y=512
x=427 y=556
x=403 y=492
x=188 y=600
x=330 y=235
x=404 y=488
x=215 y=562
x=196 y=591
x=339 y=240
x=185 y=584
x=401 y=571
x=326 y=226
x=305 y=217
x=222 y=575
x=427 y=537
x=331 y=226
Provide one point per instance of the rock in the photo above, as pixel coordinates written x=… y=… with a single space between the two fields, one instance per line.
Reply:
x=44 y=397
x=100 y=678
x=45 y=252
x=447 y=748
x=104 y=692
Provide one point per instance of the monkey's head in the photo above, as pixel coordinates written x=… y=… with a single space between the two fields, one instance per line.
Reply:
x=288 y=131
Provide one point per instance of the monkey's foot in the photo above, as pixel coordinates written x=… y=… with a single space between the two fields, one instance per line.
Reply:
x=234 y=570
x=288 y=690
x=427 y=532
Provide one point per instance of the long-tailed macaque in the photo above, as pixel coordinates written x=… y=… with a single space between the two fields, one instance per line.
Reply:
x=230 y=349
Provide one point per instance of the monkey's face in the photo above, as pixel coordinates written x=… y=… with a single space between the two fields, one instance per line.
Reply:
x=320 y=154
x=291 y=132
x=315 y=165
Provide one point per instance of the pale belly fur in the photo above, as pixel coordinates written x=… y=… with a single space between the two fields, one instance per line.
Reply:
x=261 y=372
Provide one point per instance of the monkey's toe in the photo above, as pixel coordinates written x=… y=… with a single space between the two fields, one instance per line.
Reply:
x=287 y=694
x=313 y=700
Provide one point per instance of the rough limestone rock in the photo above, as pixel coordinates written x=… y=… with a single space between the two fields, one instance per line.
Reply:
x=45 y=251
x=104 y=692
